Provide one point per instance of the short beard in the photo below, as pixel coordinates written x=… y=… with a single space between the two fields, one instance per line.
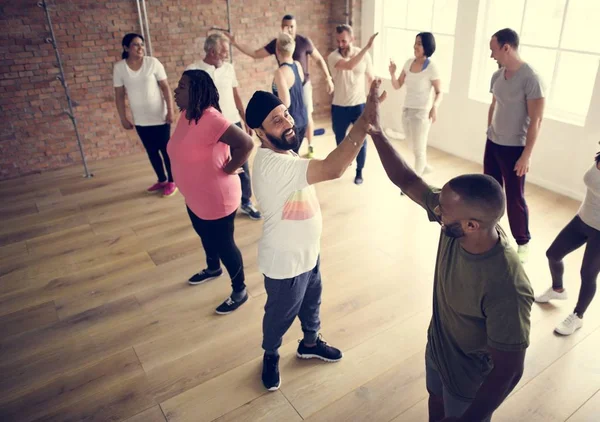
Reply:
x=282 y=143
x=454 y=230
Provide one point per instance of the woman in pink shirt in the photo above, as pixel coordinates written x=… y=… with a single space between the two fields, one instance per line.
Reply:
x=206 y=153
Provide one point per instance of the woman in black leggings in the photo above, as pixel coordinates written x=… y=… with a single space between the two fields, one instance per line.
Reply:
x=144 y=80
x=584 y=228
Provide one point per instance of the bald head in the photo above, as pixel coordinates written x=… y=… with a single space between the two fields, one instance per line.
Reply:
x=479 y=197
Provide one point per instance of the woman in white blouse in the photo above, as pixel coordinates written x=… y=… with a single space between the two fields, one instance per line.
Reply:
x=144 y=80
x=421 y=77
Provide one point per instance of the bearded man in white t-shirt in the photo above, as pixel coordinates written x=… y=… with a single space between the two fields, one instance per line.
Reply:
x=289 y=248
x=215 y=63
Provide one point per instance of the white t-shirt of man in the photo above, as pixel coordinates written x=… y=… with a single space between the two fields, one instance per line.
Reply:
x=225 y=80
x=418 y=86
x=350 y=85
x=147 y=103
x=291 y=239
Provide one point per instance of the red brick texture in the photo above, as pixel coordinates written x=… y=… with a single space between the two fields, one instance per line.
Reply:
x=36 y=135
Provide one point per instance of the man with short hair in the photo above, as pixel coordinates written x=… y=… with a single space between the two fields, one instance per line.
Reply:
x=304 y=49
x=482 y=298
x=514 y=122
x=352 y=71
x=289 y=248
x=215 y=63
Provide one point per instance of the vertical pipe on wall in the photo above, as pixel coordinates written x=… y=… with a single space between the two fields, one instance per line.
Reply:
x=137 y=2
x=63 y=81
x=148 y=40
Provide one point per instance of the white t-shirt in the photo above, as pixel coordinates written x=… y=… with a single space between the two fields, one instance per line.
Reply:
x=589 y=212
x=225 y=80
x=418 y=85
x=145 y=98
x=350 y=85
x=291 y=239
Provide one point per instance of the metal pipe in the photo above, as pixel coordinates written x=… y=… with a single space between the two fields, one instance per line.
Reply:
x=149 y=43
x=347 y=12
x=137 y=2
x=63 y=81
x=216 y=28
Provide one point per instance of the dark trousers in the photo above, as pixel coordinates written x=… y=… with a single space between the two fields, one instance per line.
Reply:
x=499 y=162
x=245 y=179
x=341 y=119
x=287 y=298
x=573 y=236
x=219 y=245
x=155 y=140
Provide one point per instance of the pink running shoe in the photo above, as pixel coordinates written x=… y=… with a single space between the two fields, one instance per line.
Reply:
x=156 y=187
x=170 y=189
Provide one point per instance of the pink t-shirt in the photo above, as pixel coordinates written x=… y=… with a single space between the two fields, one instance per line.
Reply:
x=197 y=161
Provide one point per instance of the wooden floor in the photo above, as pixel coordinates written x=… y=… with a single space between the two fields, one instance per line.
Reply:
x=98 y=323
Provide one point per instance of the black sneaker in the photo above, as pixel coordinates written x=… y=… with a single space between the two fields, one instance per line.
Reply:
x=358 y=180
x=270 y=372
x=251 y=211
x=205 y=275
x=320 y=351
x=230 y=305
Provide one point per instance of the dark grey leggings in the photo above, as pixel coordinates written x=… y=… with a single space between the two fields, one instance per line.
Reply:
x=574 y=235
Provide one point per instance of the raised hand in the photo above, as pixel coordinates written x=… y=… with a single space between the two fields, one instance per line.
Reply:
x=371 y=113
x=230 y=37
x=370 y=43
x=392 y=68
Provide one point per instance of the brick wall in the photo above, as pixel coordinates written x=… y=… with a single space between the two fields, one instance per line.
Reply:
x=36 y=135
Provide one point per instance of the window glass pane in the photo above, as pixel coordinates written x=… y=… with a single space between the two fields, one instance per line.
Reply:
x=543 y=62
x=503 y=14
x=394 y=13
x=574 y=82
x=400 y=44
x=444 y=16
x=543 y=19
x=420 y=14
x=582 y=30
x=443 y=55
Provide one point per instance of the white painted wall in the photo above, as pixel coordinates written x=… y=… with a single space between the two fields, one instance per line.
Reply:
x=563 y=151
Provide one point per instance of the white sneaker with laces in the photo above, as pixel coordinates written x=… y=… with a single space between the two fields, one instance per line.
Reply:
x=571 y=324
x=551 y=294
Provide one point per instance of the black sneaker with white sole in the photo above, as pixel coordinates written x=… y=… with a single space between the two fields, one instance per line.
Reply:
x=320 y=351
x=251 y=211
x=270 y=372
x=230 y=305
x=204 y=276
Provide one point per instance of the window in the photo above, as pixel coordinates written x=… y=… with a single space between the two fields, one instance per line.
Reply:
x=559 y=38
x=399 y=21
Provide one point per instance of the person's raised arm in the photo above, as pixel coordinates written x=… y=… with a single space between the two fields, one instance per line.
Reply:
x=336 y=163
x=259 y=53
x=349 y=64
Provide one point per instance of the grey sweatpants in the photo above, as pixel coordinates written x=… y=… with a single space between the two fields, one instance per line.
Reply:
x=290 y=297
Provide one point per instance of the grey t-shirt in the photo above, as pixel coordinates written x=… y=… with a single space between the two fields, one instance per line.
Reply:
x=510 y=120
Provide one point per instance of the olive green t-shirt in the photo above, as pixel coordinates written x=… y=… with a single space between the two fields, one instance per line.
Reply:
x=479 y=301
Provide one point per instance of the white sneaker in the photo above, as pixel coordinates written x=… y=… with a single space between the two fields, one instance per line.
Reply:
x=523 y=252
x=551 y=294
x=571 y=324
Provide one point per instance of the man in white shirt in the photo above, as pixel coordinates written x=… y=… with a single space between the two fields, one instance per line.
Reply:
x=351 y=69
x=289 y=248
x=223 y=75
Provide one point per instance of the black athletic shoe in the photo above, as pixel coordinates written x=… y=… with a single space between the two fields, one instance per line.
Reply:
x=320 y=351
x=230 y=305
x=270 y=372
x=205 y=275
x=251 y=211
x=358 y=180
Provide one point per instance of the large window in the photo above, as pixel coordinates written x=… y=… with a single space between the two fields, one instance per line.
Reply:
x=559 y=38
x=398 y=23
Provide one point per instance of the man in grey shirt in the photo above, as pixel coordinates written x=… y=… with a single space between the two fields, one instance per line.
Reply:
x=514 y=121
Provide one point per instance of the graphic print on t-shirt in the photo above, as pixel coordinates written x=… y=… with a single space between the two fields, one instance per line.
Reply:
x=301 y=205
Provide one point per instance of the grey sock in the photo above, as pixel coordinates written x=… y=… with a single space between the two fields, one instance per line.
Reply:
x=310 y=337
x=237 y=296
x=271 y=352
